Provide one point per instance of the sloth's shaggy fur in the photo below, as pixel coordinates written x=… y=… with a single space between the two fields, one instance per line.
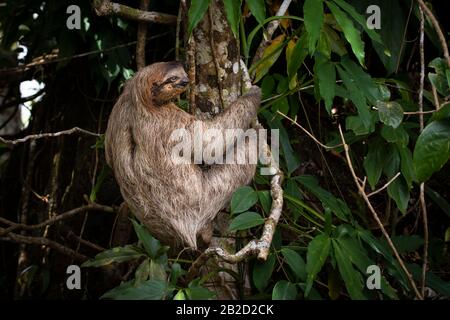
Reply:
x=177 y=202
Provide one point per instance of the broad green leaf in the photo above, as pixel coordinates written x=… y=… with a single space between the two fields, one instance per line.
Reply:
x=406 y=165
x=269 y=57
x=328 y=200
x=313 y=15
x=262 y=272
x=149 y=290
x=295 y=262
x=356 y=125
x=284 y=290
x=297 y=55
x=359 y=257
x=150 y=244
x=398 y=190
x=196 y=12
x=176 y=272
x=432 y=281
x=352 y=35
x=180 y=295
x=114 y=255
x=142 y=272
x=390 y=113
x=439 y=78
x=119 y=290
x=336 y=43
x=265 y=199
x=197 y=292
x=326 y=75
x=356 y=96
x=374 y=162
x=243 y=199
x=267 y=86
x=258 y=9
x=245 y=221
x=318 y=250
x=362 y=80
x=395 y=135
x=233 y=13
x=432 y=149
x=360 y=19
x=442 y=113
x=352 y=278
x=156 y=271
x=405 y=244
x=391 y=163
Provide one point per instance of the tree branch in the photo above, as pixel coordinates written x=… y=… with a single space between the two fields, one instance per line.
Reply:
x=141 y=35
x=107 y=8
x=48 y=135
x=377 y=219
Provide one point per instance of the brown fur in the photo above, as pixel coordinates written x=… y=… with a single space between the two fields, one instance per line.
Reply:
x=176 y=202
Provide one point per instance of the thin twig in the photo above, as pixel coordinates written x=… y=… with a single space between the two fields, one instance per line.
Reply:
x=308 y=133
x=377 y=219
x=14 y=226
x=383 y=187
x=12 y=237
x=422 y=185
x=48 y=135
x=438 y=29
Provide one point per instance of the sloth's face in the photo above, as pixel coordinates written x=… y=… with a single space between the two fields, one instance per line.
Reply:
x=173 y=83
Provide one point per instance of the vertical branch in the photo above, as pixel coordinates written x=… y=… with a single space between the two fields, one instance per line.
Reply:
x=190 y=53
x=141 y=35
x=362 y=192
x=423 y=204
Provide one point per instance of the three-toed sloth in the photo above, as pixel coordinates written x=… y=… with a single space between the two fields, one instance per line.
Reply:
x=176 y=201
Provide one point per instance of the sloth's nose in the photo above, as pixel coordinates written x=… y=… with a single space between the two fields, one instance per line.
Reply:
x=184 y=82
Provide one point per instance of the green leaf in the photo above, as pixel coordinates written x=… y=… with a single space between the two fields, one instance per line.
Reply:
x=262 y=272
x=297 y=56
x=318 y=250
x=243 y=199
x=432 y=281
x=197 y=292
x=176 y=273
x=352 y=35
x=442 y=113
x=149 y=290
x=180 y=295
x=390 y=113
x=395 y=135
x=339 y=207
x=439 y=79
x=157 y=271
x=142 y=272
x=374 y=162
x=295 y=262
x=352 y=279
x=356 y=96
x=398 y=190
x=432 y=149
x=114 y=255
x=269 y=57
x=314 y=17
x=326 y=75
x=233 y=13
x=405 y=244
x=245 y=221
x=284 y=290
x=150 y=244
x=196 y=12
x=406 y=165
x=265 y=200
x=258 y=9
x=360 y=19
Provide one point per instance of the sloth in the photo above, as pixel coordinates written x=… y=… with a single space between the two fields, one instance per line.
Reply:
x=176 y=202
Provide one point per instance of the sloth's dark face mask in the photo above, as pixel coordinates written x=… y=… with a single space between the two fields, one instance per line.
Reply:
x=173 y=84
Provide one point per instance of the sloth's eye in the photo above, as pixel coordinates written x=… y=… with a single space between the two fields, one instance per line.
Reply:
x=173 y=79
